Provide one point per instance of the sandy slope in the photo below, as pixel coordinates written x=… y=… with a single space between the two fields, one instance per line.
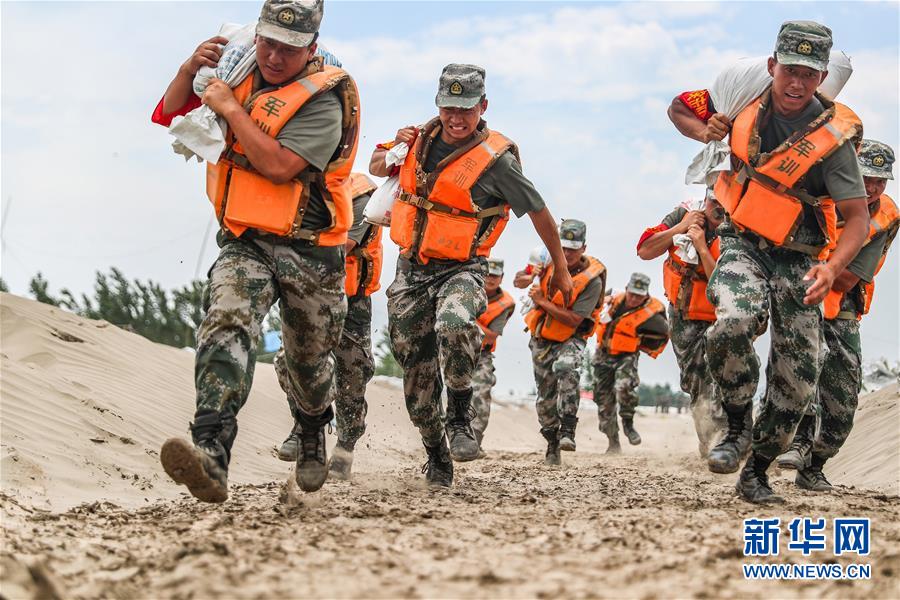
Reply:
x=85 y=407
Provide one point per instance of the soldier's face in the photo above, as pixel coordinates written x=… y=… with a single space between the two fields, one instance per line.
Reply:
x=458 y=124
x=714 y=213
x=573 y=257
x=633 y=300
x=280 y=62
x=793 y=86
x=874 y=188
x=492 y=283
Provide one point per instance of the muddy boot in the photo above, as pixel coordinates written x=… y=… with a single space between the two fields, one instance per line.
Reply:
x=753 y=483
x=799 y=453
x=311 y=469
x=203 y=465
x=291 y=445
x=439 y=468
x=551 y=434
x=567 y=433
x=634 y=438
x=463 y=445
x=341 y=461
x=725 y=457
x=614 y=446
x=812 y=478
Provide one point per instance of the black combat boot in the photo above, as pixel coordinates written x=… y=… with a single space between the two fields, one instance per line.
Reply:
x=634 y=438
x=551 y=434
x=463 y=444
x=812 y=478
x=341 y=461
x=725 y=457
x=567 y=427
x=439 y=468
x=203 y=465
x=312 y=461
x=614 y=446
x=291 y=445
x=798 y=454
x=753 y=483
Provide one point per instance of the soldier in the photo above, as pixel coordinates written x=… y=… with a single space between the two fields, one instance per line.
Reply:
x=790 y=165
x=492 y=321
x=849 y=299
x=559 y=330
x=457 y=186
x=690 y=312
x=293 y=126
x=354 y=364
x=631 y=322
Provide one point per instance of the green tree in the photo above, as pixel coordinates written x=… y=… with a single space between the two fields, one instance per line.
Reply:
x=39 y=288
x=3 y=286
x=385 y=363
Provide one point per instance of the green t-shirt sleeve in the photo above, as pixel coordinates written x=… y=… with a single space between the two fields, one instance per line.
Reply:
x=314 y=132
x=505 y=180
x=674 y=218
x=500 y=320
x=360 y=226
x=866 y=261
x=587 y=301
x=658 y=329
x=843 y=179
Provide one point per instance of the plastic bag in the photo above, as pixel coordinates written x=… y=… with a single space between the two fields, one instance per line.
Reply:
x=684 y=247
x=735 y=88
x=378 y=209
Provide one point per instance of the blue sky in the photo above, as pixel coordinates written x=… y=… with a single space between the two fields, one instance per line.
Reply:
x=581 y=87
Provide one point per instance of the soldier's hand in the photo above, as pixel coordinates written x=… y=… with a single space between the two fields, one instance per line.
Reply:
x=717 y=128
x=561 y=282
x=822 y=277
x=218 y=96
x=523 y=279
x=692 y=218
x=697 y=235
x=407 y=135
x=207 y=54
x=536 y=294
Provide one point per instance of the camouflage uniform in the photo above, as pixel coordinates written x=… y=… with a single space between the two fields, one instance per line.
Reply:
x=432 y=312
x=482 y=382
x=557 y=373
x=615 y=380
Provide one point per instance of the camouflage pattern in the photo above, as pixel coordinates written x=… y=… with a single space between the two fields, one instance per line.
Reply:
x=748 y=286
x=482 y=383
x=292 y=22
x=557 y=373
x=689 y=342
x=839 y=386
x=804 y=43
x=615 y=381
x=876 y=159
x=638 y=284
x=573 y=233
x=460 y=86
x=244 y=282
x=432 y=321
x=354 y=367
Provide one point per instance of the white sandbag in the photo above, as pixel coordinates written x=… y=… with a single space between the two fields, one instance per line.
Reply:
x=684 y=246
x=736 y=87
x=378 y=209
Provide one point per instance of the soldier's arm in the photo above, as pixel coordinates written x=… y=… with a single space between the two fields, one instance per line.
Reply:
x=844 y=282
x=823 y=276
x=546 y=229
x=377 y=166
x=182 y=86
x=692 y=126
x=563 y=315
x=658 y=243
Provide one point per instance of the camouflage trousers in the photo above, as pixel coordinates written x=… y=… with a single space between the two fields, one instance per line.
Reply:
x=354 y=367
x=615 y=381
x=482 y=383
x=244 y=282
x=839 y=386
x=432 y=312
x=557 y=374
x=748 y=286
x=689 y=342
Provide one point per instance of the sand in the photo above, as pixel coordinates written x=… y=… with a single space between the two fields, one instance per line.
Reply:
x=88 y=512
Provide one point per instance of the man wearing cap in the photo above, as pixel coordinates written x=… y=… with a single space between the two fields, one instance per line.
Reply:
x=500 y=306
x=632 y=322
x=793 y=159
x=354 y=363
x=457 y=186
x=849 y=299
x=690 y=312
x=559 y=329
x=292 y=133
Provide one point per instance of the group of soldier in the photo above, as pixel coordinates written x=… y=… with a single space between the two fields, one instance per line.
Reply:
x=292 y=230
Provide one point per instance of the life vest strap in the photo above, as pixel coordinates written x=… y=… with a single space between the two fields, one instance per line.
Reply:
x=847 y=315
x=426 y=204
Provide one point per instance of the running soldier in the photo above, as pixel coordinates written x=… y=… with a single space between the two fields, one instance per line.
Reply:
x=457 y=186
x=559 y=329
x=293 y=126
x=354 y=363
x=631 y=323
x=790 y=164
x=849 y=299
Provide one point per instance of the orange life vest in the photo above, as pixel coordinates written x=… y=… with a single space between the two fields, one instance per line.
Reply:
x=685 y=286
x=494 y=309
x=244 y=199
x=886 y=219
x=365 y=260
x=620 y=335
x=434 y=216
x=541 y=324
x=761 y=193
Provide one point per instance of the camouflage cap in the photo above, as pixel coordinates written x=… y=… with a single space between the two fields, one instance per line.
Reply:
x=804 y=43
x=461 y=86
x=638 y=284
x=876 y=159
x=495 y=266
x=572 y=234
x=291 y=22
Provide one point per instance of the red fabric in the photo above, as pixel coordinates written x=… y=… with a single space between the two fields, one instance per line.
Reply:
x=165 y=119
x=698 y=102
x=649 y=232
x=395 y=170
